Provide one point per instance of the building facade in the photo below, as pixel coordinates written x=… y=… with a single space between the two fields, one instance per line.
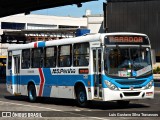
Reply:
x=141 y=16
x=21 y=21
x=40 y=22
x=37 y=22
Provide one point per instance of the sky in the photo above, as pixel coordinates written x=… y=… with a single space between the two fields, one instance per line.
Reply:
x=96 y=7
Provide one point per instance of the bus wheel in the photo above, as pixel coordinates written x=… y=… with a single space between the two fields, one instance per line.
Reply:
x=32 y=93
x=123 y=103
x=81 y=97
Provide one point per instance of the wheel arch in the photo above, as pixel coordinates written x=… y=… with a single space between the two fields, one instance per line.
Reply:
x=33 y=83
x=77 y=85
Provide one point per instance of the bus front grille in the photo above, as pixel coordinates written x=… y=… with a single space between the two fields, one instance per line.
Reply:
x=131 y=93
x=130 y=82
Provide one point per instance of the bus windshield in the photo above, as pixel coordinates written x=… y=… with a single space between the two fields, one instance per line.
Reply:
x=127 y=62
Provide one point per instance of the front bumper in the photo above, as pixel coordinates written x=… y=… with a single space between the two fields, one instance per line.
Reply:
x=128 y=94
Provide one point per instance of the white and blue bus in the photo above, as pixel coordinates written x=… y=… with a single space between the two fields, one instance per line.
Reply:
x=104 y=67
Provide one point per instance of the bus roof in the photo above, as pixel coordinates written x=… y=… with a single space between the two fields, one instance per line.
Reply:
x=124 y=33
x=64 y=41
x=85 y=38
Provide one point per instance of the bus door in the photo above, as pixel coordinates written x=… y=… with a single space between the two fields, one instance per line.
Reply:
x=97 y=54
x=17 y=73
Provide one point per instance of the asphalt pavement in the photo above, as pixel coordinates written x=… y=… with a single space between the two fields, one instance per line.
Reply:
x=19 y=107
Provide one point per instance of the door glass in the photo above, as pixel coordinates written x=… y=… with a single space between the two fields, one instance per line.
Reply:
x=97 y=72
x=94 y=60
x=17 y=64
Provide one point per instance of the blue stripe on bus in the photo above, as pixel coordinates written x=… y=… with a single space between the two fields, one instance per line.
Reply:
x=41 y=44
x=146 y=81
x=23 y=79
x=60 y=80
x=46 y=91
x=47 y=86
x=70 y=80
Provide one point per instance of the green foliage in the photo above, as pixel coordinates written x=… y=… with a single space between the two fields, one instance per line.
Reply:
x=156 y=70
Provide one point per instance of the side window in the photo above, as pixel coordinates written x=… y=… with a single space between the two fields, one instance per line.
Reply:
x=9 y=60
x=65 y=56
x=37 y=57
x=50 y=57
x=81 y=54
x=26 y=59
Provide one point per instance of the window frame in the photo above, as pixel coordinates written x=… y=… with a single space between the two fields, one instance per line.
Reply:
x=81 y=54
x=22 y=59
x=55 y=56
x=41 y=57
x=59 y=56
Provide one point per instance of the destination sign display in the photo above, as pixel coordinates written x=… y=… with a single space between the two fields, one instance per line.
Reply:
x=135 y=40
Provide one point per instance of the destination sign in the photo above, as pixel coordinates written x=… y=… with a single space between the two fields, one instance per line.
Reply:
x=126 y=40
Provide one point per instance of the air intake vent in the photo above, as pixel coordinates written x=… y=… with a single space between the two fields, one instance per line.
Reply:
x=131 y=93
x=130 y=82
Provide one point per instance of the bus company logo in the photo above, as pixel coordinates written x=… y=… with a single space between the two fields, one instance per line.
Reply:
x=131 y=87
x=63 y=71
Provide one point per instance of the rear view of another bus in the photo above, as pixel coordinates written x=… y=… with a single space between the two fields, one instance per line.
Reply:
x=2 y=67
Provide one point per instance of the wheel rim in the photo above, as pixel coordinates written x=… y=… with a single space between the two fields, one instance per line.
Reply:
x=82 y=97
x=31 y=94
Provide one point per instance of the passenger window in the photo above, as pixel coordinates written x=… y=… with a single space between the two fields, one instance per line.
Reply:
x=50 y=57
x=26 y=59
x=65 y=56
x=37 y=58
x=81 y=54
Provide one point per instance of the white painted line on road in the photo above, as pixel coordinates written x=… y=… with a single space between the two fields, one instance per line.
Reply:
x=99 y=118
x=86 y=116
x=77 y=110
x=89 y=110
x=54 y=110
x=123 y=118
x=30 y=106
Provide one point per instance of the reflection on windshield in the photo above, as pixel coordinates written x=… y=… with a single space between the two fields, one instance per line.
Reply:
x=127 y=62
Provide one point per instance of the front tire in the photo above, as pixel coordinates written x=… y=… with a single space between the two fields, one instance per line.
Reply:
x=32 y=93
x=81 y=97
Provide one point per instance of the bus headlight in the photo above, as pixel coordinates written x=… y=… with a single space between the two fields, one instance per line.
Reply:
x=110 y=85
x=149 y=85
